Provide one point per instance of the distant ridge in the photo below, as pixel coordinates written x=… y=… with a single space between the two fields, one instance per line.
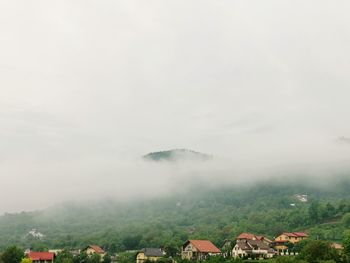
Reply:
x=177 y=155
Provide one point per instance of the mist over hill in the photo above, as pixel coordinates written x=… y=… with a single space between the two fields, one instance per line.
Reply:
x=200 y=212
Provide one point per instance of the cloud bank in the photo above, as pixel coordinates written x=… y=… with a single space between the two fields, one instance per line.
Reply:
x=87 y=87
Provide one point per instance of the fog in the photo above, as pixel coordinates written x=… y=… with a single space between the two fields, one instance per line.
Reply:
x=88 y=87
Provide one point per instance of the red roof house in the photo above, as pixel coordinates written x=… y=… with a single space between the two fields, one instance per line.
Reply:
x=288 y=237
x=199 y=249
x=94 y=249
x=41 y=257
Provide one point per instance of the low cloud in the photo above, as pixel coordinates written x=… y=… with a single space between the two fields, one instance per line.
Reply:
x=87 y=88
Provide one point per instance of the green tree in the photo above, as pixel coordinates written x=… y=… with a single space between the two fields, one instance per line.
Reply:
x=107 y=258
x=300 y=245
x=330 y=210
x=346 y=220
x=314 y=211
x=12 y=255
x=26 y=260
x=64 y=257
x=94 y=258
x=81 y=258
x=171 y=250
x=318 y=250
x=346 y=244
x=131 y=242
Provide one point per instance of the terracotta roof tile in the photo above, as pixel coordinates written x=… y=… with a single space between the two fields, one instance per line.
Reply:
x=205 y=246
x=248 y=236
x=301 y=234
x=41 y=255
x=296 y=234
x=97 y=249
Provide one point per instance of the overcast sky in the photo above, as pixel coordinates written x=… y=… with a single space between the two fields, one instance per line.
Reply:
x=87 y=87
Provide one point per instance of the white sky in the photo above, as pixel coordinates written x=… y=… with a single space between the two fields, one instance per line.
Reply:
x=87 y=87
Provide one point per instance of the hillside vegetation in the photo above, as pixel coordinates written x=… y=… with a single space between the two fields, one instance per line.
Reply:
x=203 y=213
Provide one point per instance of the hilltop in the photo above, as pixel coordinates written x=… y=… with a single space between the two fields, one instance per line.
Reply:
x=177 y=155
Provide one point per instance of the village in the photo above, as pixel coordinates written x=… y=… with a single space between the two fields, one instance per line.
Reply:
x=246 y=246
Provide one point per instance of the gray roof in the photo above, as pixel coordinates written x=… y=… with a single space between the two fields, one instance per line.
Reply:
x=153 y=252
x=258 y=244
x=243 y=245
x=252 y=244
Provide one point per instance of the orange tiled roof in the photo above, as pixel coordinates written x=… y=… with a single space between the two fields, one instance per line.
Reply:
x=41 y=256
x=296 y=234
x=97 y=249
x=205 y=246
x=248 y=236
x=301 y=234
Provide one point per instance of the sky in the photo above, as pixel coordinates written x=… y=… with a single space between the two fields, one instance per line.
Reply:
x=87 y=87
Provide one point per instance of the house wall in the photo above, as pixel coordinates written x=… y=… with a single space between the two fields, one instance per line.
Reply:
x=90 y=251
x=238 y=252
x=140 y=258
x=261 y=252
x=290 y=239
x=191 y=252
x=187 y=252
x=282 y=237
x=153 y=258
x=280 y=247
x=42 y=261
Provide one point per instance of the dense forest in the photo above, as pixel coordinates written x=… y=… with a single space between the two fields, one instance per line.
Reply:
x=218 y=214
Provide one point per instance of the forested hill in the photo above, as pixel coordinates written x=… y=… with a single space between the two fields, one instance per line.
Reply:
x=216 y=214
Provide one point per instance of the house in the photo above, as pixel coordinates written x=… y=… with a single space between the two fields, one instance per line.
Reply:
x=198 y=250
x=338 y=247
x=41 y=257
x=252 y=249
x=302 y=198
x=294 y=237
x=151 y=254
x=94 y=249
x=226 y=248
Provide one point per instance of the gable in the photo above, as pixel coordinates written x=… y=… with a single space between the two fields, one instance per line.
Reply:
x=189 y=247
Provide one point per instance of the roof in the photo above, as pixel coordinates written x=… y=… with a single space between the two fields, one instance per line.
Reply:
x=247 y=236
x=97 y=249
x=152 y=252
x=296 y=234
x=337 y=246
x=253 y=244
x=258 y=244
x=266 y=240
x=300 y=234
x=243 y=245
x=205 y=246
x=41 y=256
